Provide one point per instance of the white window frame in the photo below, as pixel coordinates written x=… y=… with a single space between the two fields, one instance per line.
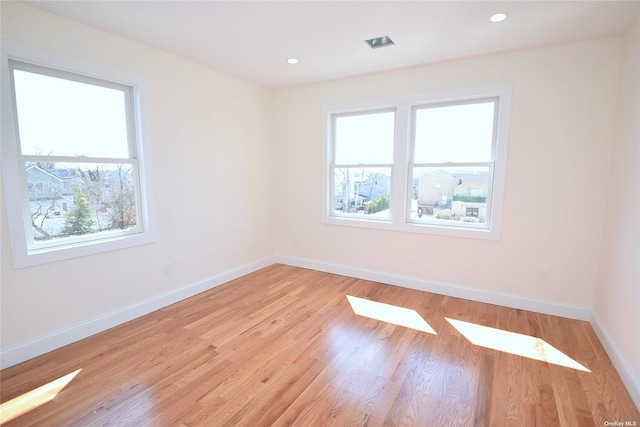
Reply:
x=24 y=253
x=401 y=188
x=334 y=165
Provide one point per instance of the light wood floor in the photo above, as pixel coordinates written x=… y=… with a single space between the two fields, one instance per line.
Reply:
x=282 y=346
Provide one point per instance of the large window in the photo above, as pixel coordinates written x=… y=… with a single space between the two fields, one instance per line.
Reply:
x=453 y=143
x=72 y=170
x=361 y=171
x=432 y=163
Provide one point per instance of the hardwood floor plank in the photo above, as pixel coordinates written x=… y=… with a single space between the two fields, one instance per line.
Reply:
x=283 y=346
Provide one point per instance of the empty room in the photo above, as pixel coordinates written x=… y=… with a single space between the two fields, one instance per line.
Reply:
x=314 y=213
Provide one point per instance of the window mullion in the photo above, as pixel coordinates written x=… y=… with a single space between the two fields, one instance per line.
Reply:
x=400 y=196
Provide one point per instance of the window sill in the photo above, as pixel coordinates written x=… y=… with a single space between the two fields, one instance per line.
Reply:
x=491 y=233
x=29 y=258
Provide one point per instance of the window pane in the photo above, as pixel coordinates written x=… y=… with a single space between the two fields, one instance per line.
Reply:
x=454 y=133
x=62 y=117
x=75 y=199
x=362 y=191
x=450 y=195
x=364 y=138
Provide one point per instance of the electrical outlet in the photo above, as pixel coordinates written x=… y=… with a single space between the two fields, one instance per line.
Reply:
x=294 y=241
x=543 y=275
x=166 y=269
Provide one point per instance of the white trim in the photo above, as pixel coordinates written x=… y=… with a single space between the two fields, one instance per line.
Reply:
x=38 y=346
x=13 y=175
x=556 y=308
x=400 y=199
x=629 y=377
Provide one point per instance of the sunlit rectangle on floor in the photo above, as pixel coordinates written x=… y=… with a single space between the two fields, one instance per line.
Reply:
x=389 y=313
x=514 y=343
x=34 y=398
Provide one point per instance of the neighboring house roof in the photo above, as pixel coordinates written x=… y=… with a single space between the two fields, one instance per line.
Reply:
x=62 y=173
x=374 y=186
x=471 y=183
x=480 y=178
x=37 y=169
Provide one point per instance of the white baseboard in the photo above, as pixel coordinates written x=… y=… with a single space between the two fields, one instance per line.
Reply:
x=629 y=377
x=571 y=311
x=29 y=349
x=24 y=351
x=555 y=308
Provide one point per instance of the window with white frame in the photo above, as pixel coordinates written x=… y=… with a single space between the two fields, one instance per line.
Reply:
x=454 y=143
x=72 y=171
x=361 y=169
x=446 y=153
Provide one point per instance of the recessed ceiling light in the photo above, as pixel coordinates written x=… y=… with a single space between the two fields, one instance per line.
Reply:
x=498 y=17
x=379 y=42
x=292 y=61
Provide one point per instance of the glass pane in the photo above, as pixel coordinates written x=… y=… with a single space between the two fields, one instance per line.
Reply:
x=62 y=117
x=454 y=195
x=75 y=199
x=365 y=138
x=362 y=191
x=454 y=133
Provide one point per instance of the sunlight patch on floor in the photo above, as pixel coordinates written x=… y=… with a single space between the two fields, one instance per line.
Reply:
x=514 y=343
x=389 y=313
x=34 y=398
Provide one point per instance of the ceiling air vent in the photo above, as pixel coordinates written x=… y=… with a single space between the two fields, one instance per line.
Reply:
x=379 y=42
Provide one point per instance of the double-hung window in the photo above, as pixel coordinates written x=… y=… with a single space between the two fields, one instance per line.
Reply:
x=362 y=164
x=453 y=161
x=430 y=163
x=72 y=171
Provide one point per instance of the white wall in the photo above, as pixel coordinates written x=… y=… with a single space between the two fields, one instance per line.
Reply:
x=617 y=296
x=212 y=159
x=562 y=123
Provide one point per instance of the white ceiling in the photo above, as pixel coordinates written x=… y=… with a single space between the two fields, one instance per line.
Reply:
x=252 y=40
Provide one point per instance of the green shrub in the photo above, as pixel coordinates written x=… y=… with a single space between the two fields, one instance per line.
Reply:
x=78 y=220
x=378 y=204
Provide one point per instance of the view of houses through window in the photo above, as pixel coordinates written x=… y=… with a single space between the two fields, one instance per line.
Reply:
x=363 y=191
x=363 y=149
x=76 y=149
x=70 y=200
x=449 y=169
x=453 y=194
